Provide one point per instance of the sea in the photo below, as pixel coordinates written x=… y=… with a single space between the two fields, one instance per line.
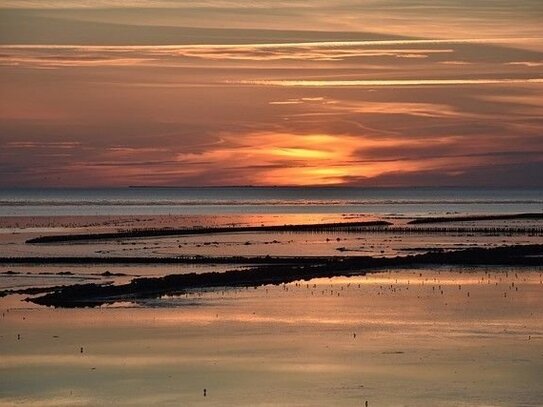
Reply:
x=267 y=200
x=427 y=336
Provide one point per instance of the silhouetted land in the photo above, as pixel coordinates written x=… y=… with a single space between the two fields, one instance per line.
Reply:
x=137 y=233
x=33 y=290
x=354 y=227
x=474 y=218
x=86 y=295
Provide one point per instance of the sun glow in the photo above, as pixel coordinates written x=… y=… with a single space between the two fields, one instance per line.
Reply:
x=302 y=159
x=301 y=153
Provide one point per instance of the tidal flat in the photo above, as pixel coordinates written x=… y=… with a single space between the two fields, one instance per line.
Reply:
x=395 y=333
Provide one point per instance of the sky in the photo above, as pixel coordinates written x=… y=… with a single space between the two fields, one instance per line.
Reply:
x=263 y=92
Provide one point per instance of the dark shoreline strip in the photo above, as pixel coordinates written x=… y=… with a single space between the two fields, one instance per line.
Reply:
x=168 y=260
x=90 y=295
x=496 y=231
x=473 y=218
x=136 y=233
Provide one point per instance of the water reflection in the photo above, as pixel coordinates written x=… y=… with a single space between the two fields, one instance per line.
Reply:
x=323 y=342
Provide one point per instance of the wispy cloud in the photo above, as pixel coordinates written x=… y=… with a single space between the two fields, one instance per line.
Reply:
x=388 y=82
x=43 y=144
x=318 y=51
x=527 y=63
x=66 y=56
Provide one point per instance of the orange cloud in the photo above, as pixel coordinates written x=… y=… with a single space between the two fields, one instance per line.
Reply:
x=389 y=82
x=301 y=159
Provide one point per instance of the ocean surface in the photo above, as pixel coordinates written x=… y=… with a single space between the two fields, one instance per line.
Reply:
x=417 y=336
x=288 y=200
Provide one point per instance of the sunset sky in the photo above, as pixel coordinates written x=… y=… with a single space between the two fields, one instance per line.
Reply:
x=271 y=92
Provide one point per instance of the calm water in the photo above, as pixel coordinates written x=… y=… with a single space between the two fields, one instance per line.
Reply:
x=437 y=336
x=291 y=345
x=162 y=201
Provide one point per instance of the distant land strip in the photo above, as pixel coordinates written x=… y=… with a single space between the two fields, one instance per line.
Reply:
x=92 y=295
x=324 y=227
x=369 y=227
x=471 y=218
